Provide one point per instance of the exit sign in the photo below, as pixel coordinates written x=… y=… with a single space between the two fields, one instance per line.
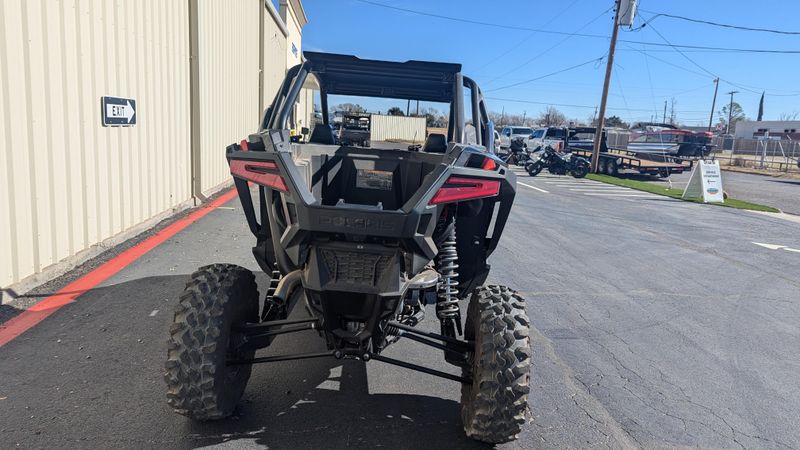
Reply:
x=118 y=111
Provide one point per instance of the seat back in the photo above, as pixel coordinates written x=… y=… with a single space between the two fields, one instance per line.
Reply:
x=435 y=143
x=322 y=134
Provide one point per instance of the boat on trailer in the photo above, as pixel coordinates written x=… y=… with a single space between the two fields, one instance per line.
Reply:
x=668 y=140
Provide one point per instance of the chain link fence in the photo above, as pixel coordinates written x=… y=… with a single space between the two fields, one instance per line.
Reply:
x=767 y=154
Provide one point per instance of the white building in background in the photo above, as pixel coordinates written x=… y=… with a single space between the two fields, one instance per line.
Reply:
x=777 y=129
x=200 y=72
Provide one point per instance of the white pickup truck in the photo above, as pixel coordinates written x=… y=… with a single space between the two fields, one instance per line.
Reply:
x=512 y=133
x=542 y=137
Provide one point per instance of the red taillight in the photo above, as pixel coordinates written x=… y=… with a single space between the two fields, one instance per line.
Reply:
x=244 y=145
x=261 y=172
x=489 y=164
x=456 y=189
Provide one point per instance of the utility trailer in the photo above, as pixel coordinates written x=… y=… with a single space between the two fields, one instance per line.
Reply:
x=580 y=141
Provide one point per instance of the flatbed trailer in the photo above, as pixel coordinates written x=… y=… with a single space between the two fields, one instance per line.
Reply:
x=614 y=160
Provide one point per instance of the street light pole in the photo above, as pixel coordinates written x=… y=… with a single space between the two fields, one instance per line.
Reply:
x=601 y=118
x=730 y=112
x=713 y=103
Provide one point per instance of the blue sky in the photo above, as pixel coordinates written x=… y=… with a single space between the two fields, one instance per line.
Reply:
x=641 y=81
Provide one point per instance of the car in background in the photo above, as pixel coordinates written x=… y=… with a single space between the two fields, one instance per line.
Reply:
x=511 y=133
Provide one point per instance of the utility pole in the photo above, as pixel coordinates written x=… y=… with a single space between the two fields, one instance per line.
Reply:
x=713 y=103
x=408 y=106
x=672 y=111
x=503 y=117
x=664 y=117
x=730 y=112
x=417 y=108
x=524 y=115
x=601 y=119
x=594 y=116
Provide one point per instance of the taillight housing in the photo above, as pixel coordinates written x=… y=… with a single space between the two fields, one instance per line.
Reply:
x=457 y=189
x=264 y=173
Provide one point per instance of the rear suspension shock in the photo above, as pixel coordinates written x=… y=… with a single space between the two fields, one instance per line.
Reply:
x=447 y=309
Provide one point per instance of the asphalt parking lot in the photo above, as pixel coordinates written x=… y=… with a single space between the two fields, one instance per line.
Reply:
x=781 y=193
x=657 y=324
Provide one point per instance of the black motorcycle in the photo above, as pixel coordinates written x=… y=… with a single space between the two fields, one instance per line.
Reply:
x=517 y=153
x=557 y=163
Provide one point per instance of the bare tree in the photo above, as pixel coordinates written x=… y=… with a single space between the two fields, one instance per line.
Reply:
x=789 y=116
x=349 y=107
x=552 y=117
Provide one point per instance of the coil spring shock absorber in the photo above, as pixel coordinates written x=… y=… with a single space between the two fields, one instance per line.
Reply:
x=271 y=310
x=447 y=309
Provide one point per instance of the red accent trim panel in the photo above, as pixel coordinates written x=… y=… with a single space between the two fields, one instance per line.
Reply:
x=489 y=164
x=69 y=293
x=261 y=172
x=456 y=189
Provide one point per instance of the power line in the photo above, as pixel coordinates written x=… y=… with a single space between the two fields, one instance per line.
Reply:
x=525 y=39
x=648 y=55
x=566 y=105
x=595 y=60
x=473 y=22
x=564 y=33
x=738 y=85
x=529 y=60
x=716 y=24
x=698 y=65
x=725 y=49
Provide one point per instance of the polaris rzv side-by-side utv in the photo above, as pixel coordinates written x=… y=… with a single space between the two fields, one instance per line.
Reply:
x=364 y=238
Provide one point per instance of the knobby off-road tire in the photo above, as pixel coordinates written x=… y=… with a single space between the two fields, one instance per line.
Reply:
x=493 y=407
x=199 y=383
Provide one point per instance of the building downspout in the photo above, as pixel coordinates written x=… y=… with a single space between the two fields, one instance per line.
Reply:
x=194 y=104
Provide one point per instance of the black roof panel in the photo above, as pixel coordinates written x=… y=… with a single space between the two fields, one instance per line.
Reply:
x=415 y=80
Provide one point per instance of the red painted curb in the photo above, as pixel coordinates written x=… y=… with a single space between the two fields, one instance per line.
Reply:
x=69 y=293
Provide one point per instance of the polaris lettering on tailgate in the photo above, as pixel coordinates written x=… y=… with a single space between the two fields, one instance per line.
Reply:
x=356 y=223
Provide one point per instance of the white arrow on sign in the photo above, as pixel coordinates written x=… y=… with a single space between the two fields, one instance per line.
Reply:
x=777 y=247
x=120 y=111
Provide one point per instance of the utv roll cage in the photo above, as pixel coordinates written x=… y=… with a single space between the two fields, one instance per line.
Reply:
x=363 y=224
x=410 y=80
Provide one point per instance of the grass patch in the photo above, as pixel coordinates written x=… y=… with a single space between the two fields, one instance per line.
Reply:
x=675 y=193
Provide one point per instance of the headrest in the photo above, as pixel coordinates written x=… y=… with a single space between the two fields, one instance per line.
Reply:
x=435 y=143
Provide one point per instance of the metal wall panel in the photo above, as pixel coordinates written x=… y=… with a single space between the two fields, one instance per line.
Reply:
x=275 y=49
x=70 y=183
x=229 y=73
x=399 y=128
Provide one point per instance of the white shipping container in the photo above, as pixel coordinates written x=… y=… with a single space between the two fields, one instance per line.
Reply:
x=397 y=128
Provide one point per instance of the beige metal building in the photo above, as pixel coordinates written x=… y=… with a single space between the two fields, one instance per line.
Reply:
x=200 y=71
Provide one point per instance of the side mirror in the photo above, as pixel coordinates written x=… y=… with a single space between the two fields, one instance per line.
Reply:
x=488 y=139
